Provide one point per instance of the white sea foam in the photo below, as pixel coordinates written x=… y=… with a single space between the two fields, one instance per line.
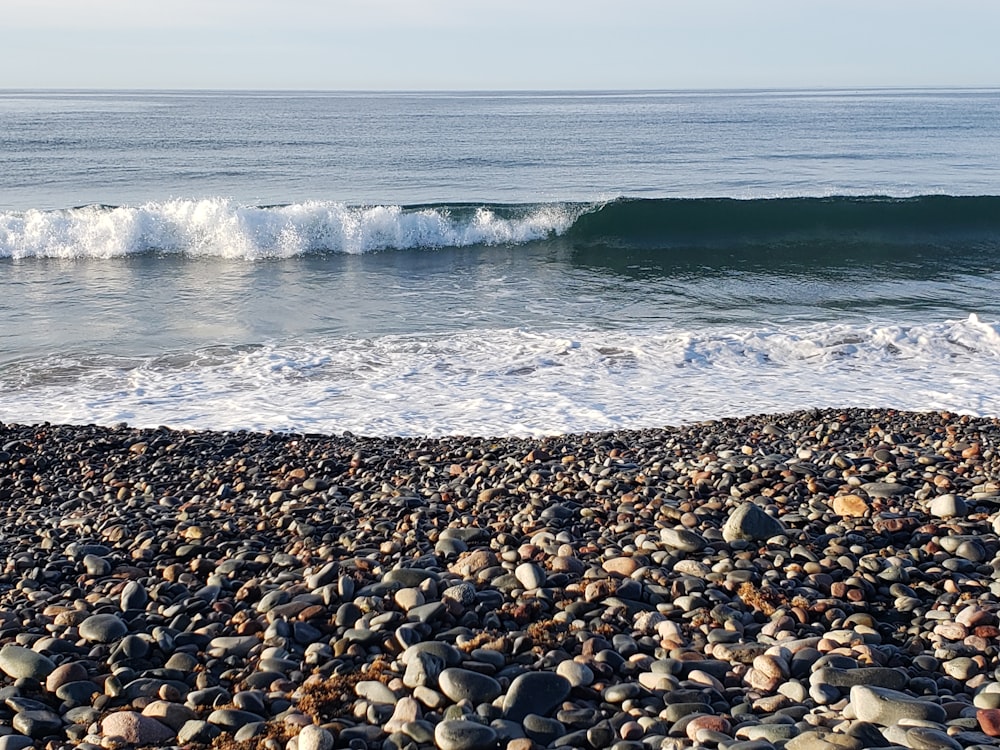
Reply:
x=521 y=382
x=220 y=227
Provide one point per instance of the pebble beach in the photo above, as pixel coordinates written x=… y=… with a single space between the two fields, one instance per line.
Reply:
x=822 y=579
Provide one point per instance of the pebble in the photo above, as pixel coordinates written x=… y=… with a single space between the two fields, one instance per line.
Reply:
x=885 y=707
x=20 y=662
x=459 y=734
x=136 y=729
x=103 y=628
x=812 y=580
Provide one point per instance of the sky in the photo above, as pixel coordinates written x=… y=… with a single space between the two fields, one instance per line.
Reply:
x=497 y=44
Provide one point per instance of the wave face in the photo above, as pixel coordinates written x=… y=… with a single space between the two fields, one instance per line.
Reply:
x=221 y=228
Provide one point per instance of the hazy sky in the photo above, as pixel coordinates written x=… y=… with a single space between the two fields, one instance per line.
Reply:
x=497 y=44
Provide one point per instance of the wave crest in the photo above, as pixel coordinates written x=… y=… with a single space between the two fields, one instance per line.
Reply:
x=219 y=227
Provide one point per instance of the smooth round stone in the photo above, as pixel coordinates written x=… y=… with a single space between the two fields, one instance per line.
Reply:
x=961 y=668
x=37 y=723
x=374 y=691
x=67 y=672
x=749 y=522
x=182 y=662
x=576 y=674
x=174 y=715
x=684 y=540
x=530 y=575
x=96 y=566
x=460 y=734
x=621 y=692
x=312 y=737
x=136 y=729
x=133 y=596
x=894 y=679
x=885 y=707
x=79 y=693
x=542 y=729
x=948 y=506
x=16 y=742
x=198 y=731
x=926 y=738
x=464 y=684
x=20 y=662
x=234 y=645
x=231 y=719
x=534 y=693
x=104 y=628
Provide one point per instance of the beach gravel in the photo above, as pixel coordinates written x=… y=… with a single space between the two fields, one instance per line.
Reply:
x=821 y=579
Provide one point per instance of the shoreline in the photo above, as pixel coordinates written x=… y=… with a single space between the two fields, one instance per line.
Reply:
x=816 y=579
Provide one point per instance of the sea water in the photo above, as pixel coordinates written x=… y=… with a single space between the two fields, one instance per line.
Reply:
x=481 y=263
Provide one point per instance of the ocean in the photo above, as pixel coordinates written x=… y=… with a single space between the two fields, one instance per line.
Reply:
x=495 y=263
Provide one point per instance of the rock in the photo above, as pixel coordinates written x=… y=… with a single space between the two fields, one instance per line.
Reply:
x=173 y=715
x=20 y=662
x=39 y=722
x=460 y=734
x=64 y=673
x=989 y=721
x=103 y=628
x=198 y=731
x=136 y=729
x=312 y=737
x=464 y=684
x=885 y=707
x=749 y=522
x=530 y=576
x=948 y=506
x=534 y=693
x=684 y=540
x=849 y=506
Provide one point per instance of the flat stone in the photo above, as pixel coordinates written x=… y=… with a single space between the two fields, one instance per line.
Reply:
x=460 y=734
x=199 y=731
x=850 y=505
x=103 y=628
x=894 y=679
x=464 y=684
x=884 y=707
x=927 y=738
x=37 y=723
x=231 y=719
x=684 y=540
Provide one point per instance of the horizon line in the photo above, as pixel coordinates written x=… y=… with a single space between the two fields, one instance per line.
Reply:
x=682 y=90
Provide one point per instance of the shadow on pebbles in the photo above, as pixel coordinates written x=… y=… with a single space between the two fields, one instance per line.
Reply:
x=814 y=580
